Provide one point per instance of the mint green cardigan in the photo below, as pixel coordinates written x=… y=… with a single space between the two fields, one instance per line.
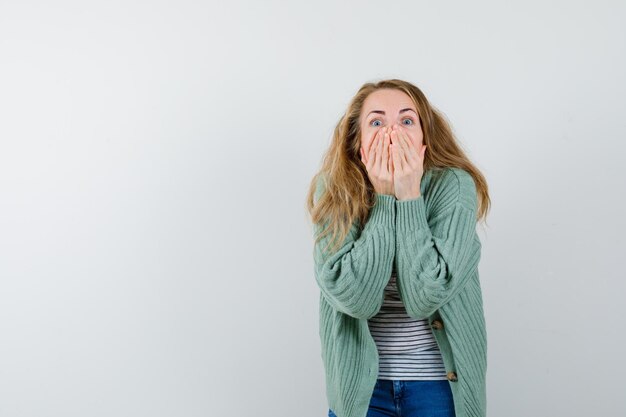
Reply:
x=433 y=241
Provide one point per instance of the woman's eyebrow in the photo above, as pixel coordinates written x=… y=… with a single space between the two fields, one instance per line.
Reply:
x=401 y=111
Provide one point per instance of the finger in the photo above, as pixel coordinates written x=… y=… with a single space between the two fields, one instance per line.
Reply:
x=371 y=153
x=385 y=154
x=371 y=145
x=387 y=157
x=409 y=151
x=400 y=150
x=371 y=159
x=395 y=156
x=379 y=153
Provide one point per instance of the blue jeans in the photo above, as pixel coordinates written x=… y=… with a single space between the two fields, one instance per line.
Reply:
x=393 y=398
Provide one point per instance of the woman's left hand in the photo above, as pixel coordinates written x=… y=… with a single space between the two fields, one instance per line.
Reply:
x=408 y=165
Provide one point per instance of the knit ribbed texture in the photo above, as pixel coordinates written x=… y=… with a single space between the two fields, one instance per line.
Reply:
x=433 y=241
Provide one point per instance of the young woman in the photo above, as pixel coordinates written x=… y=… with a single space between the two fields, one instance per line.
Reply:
x=395 y=207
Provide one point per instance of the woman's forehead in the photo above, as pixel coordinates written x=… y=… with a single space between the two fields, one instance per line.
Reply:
x=387 y=98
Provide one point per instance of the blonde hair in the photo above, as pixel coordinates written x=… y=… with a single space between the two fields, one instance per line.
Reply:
x=349 y=194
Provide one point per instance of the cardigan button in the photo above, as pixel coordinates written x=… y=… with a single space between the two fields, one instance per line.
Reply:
x=452 y=376
x=437 y=324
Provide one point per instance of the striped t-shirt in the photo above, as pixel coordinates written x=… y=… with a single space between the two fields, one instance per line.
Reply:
x=406 y=346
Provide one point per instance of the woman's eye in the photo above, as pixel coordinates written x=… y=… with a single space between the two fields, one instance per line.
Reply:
x=376 y=122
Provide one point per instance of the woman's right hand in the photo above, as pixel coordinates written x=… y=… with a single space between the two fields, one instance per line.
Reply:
x=378 y=163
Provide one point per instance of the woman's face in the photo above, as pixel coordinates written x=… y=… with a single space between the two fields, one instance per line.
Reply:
x=384 y=108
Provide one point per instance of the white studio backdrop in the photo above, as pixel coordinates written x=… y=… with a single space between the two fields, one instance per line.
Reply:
x=155 y=252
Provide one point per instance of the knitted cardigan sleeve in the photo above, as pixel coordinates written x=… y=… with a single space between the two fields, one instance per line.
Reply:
x=436 y=255
x=353 y=278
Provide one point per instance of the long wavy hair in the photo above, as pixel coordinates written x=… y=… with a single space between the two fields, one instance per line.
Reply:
x=348 y=193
